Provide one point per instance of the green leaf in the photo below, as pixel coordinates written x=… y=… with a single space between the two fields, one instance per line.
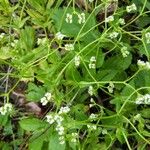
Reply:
x=34 y=93
x=32 y=124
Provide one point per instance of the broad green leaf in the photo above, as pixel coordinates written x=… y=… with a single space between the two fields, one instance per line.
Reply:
x=32 y=124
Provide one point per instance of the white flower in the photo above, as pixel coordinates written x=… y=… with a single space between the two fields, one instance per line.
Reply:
x=59 y=36
x=8 y=107
x=41 y=41
x=147 y=36
x=58 y=119
x=64 y=110
x=104 y=131
x=74 y=137
x=77 y=61
x=144 y=99
x=44 y=101
x=93 y=59
x=13 y=44
x=92 y=64
x=124 y=51
x=113 y=35
x=122 y=21
x=68 y=18
x=109 y=19
x=3 y=111
x=93 y=116
x=92 y=127
x=61 y=140
x=92 y=100
x=91 y=105
x=90 y=90
x=69 y=47
x=144 y=65
x=91 y=1
x=60 y=129
x=50 y=119
x=48 y=96
x=2 y=35
x=111 y=87
x=131 y=8
x=81 y=18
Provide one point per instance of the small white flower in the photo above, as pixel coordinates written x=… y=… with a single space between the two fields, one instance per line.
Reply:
x=111 y=87
x=90 y=90
x=61 y=140
x=48 y=96
x=58 y=119
x=13 y=44
x=93 y=59
x=60 y=129
x=74 y=137
x=93 y=116
x=50 y=119
x=104 y=131
x=124 y=51
x=64 y=110
x=144 y=65
x=109 y=19
x=92 y=64
x=113 y=35
x=77 y=61
x=69 y=47
x=68 y=18
x=3 y=111
x=92 y=127
x=122 y=21
x=2 y=35
x=44 y=101
x=59 y=36
x=91 y=1
x=81 y=18
x=8 y=107
x=91 y=105
x=41 y=41
x=92 y=100
x=144 y=99
x=131 y=8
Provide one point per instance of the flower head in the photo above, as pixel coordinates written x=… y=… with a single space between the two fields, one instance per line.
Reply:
x=124 y=51
x=81 y=18
x=69 y=47
x=113 y=35
x=77 y=61
x=68 y=18
x=131 y=8
x=59 y=36
x=109 y=19
x=121 y=21
x=147 y=36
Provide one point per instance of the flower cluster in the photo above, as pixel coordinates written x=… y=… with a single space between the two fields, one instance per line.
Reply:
x=143 y=65
x=6 y=108
x=145 y=99
x=109 y=19
x=68 y=18
x=74 y=137
x=90 y=90
x=92 y=64
x=69 y=47
x=57 y=118
x=81 y=18
x=77 y=61
x=124 y=51
x=147 y=36
x=121 y=21
x=113 y=35
x=13 y=44
x=92 y=127
x=2 y=35
x=59 y=36
x=47 y=97
x=41 y=41
x=93 y=116
x=111 y=87
x=131 y=8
